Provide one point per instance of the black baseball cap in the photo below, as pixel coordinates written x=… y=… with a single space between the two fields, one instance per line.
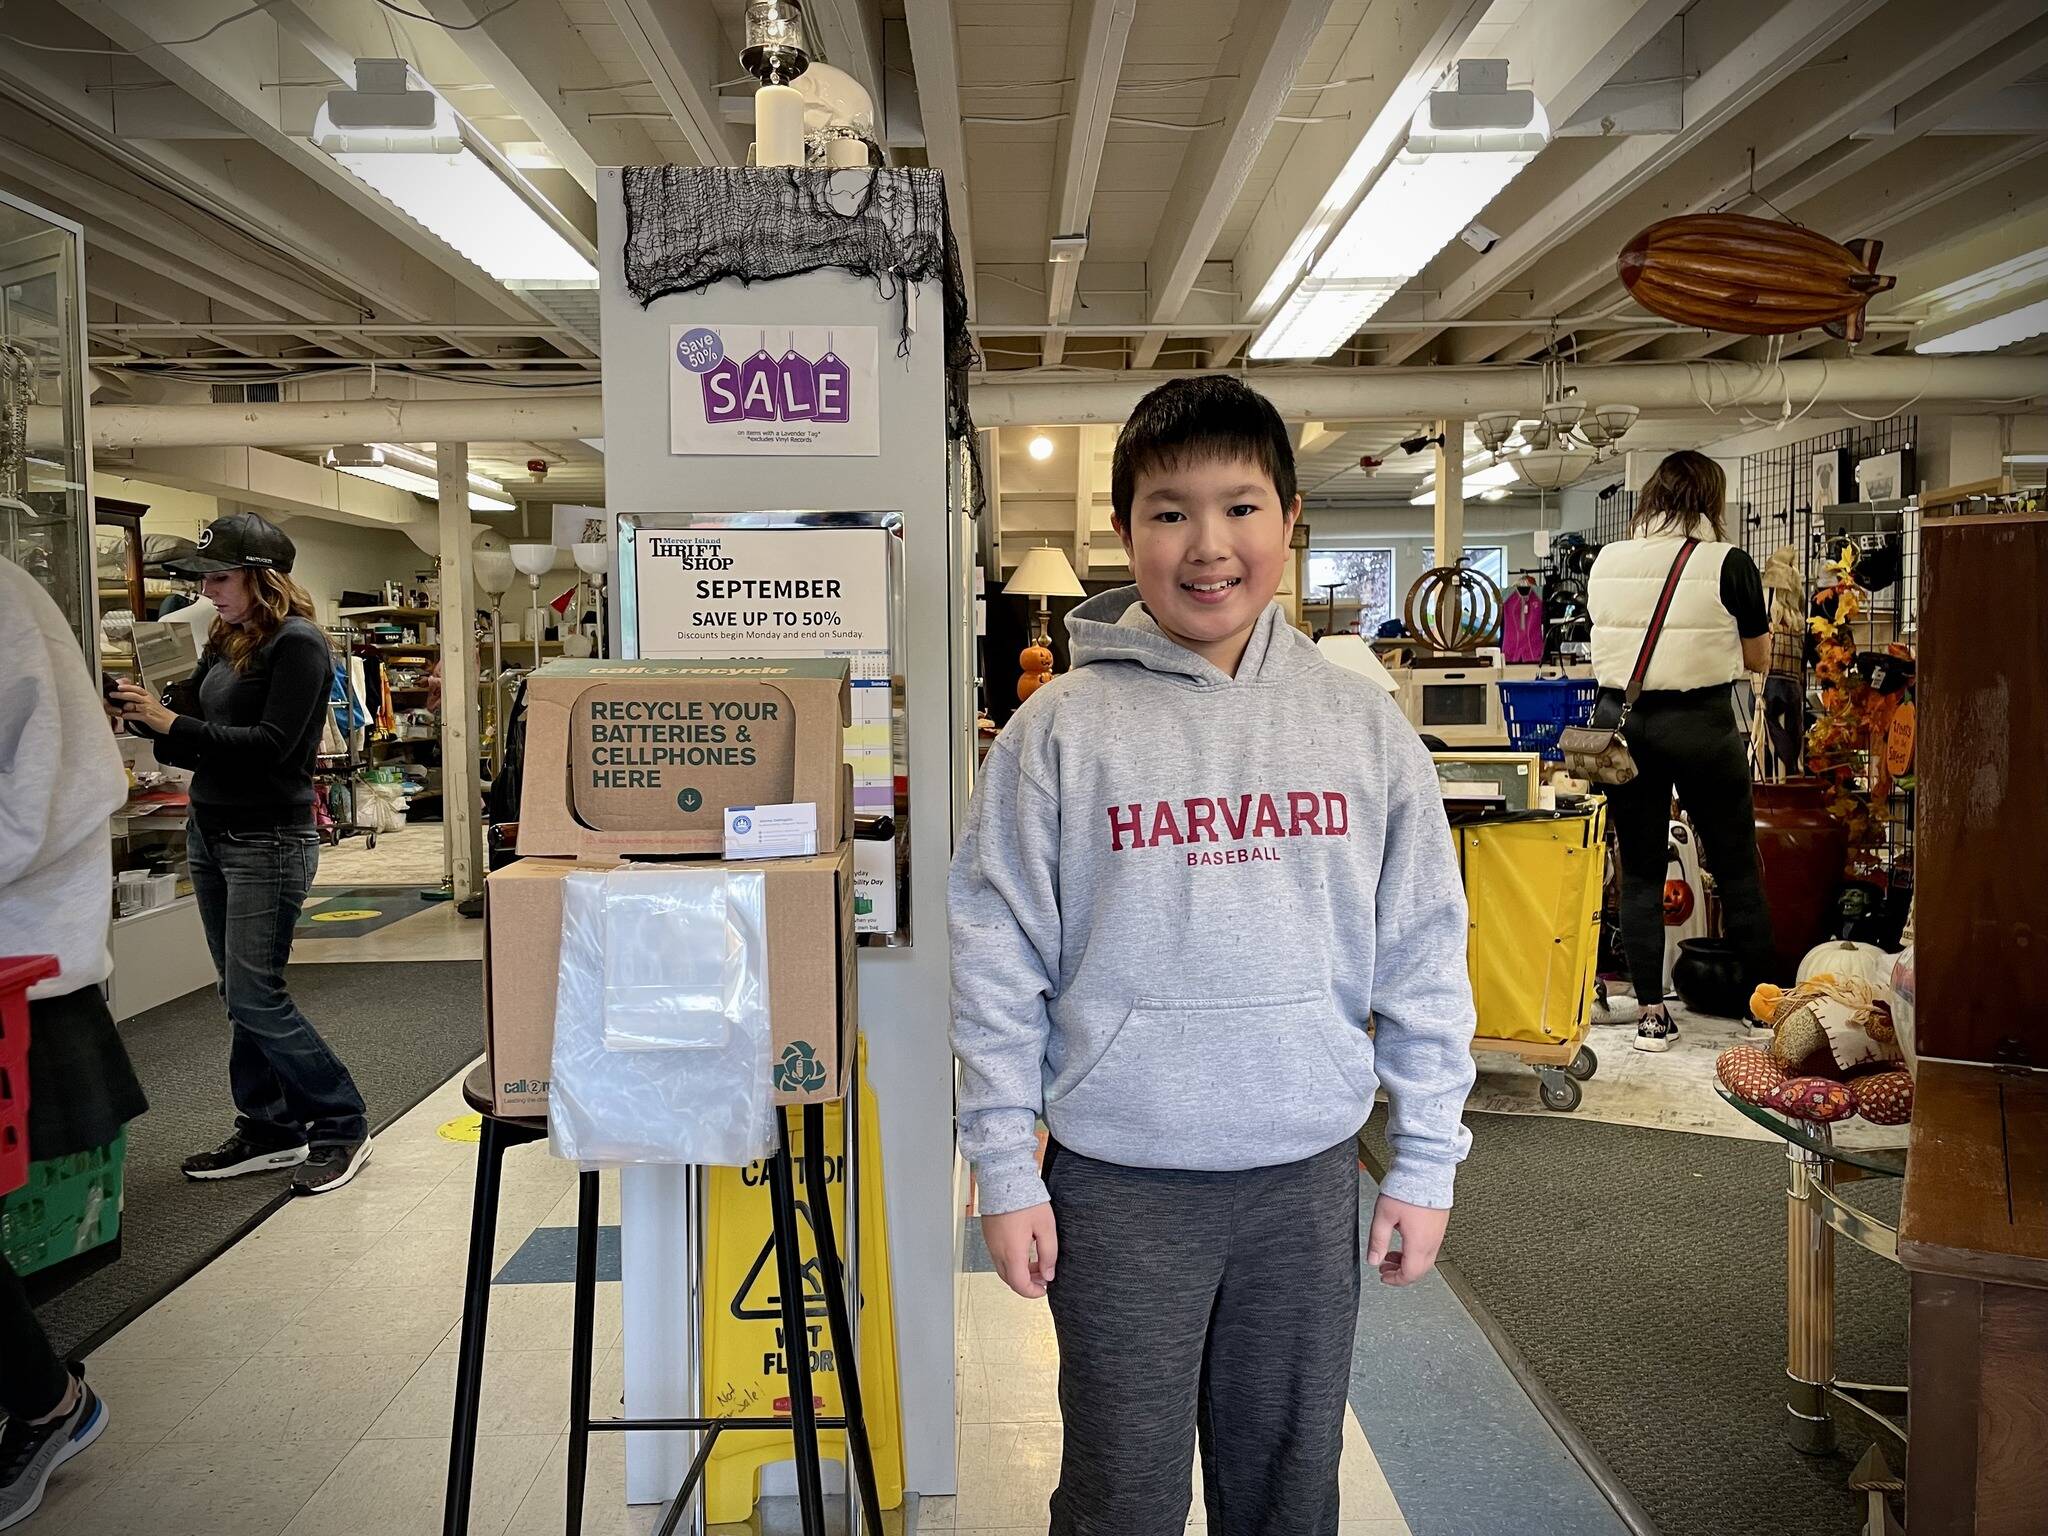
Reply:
x=237 y=540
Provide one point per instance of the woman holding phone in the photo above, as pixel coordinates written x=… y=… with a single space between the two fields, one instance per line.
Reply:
x=262 y=688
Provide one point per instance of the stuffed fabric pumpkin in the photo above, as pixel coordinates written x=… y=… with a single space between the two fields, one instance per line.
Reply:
x=1749 y=1073
x=1820 y=1099
x=1884 y=1098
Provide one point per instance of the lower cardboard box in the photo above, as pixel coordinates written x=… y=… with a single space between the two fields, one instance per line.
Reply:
x=811 y=999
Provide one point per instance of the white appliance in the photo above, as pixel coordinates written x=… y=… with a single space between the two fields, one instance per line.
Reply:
x=1455 y=699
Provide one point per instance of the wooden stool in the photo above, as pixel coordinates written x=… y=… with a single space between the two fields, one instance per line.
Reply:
x=502 y=1131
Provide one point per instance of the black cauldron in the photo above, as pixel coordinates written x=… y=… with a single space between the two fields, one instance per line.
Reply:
x=1708 y=976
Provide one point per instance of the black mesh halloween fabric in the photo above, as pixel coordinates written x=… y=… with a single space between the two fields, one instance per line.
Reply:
x=688 y=227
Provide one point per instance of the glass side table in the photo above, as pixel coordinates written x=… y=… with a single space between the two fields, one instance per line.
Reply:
x=1814 y=1214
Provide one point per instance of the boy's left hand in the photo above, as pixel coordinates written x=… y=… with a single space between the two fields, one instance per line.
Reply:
x=1422 y=1233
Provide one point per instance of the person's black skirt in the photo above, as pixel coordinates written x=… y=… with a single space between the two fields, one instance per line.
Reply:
x=81 y=1086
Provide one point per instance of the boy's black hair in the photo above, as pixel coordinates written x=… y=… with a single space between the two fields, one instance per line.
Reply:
x=1202 y=417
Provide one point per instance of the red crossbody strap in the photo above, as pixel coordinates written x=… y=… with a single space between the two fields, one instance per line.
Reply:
x=1635 y=681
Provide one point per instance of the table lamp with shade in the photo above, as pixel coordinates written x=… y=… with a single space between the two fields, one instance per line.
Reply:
x=533 y=561
x=1043 y=573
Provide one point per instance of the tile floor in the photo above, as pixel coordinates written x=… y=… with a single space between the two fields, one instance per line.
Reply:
x=302 y=1384
x=413 y=855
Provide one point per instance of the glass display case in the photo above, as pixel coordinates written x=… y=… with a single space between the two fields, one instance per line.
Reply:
x=45 y=455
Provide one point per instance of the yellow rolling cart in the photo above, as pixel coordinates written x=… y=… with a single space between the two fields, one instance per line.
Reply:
x=1532 y=884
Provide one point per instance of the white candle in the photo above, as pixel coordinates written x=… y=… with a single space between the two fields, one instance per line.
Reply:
x=778 y=126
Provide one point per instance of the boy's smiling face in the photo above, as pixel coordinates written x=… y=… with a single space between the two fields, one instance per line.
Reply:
x=1208 y=541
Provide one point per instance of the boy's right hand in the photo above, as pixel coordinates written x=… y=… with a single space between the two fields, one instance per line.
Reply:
x=1026 y=1246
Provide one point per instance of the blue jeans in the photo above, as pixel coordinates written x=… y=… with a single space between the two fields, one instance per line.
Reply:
x=289 y=1087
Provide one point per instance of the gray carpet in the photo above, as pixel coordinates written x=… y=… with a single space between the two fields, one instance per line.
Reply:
x=1641 y=1274
x=403 y=1029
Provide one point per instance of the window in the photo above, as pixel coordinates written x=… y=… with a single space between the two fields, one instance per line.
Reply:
x=1487 y=559
x=1364 y=579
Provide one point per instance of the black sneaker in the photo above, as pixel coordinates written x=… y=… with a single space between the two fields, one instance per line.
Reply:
x=329 y=1166
x=1655 y=1032
x=239 y=1155
x=29 y=1453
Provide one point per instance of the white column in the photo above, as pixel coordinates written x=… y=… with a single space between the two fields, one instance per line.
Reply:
x=1450 y=492
x=461 y=795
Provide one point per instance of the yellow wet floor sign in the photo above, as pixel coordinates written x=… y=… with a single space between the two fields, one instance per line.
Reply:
x=744 y=1359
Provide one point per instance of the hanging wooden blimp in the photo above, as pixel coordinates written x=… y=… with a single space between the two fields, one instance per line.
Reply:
x=1754 y=277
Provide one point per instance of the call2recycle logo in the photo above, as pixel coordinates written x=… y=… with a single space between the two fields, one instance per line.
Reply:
x=799 y=1071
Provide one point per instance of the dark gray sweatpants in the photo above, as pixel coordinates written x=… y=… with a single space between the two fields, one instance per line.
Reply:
x=1214 y=1304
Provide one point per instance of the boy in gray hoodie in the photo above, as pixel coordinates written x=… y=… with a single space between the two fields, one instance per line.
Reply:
x=1196 y=865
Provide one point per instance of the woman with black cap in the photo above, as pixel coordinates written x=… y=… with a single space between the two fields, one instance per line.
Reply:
x=263 y=687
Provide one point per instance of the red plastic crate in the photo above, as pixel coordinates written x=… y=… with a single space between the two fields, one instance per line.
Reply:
x=17 y=974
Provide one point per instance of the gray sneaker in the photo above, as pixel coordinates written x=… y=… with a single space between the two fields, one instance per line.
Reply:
x=29 y=1453
x=329 y=1166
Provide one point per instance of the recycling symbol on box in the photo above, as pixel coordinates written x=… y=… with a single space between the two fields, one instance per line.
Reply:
x=799 y=1071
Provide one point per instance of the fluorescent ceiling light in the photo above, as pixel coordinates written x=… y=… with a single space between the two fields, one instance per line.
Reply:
x=401 y=468
x=429 y=171
x=1440 y=182
x=1989 y=334
x=1492 y=478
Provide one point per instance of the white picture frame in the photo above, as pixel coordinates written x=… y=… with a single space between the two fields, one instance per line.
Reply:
x=1881 y=477
x=1827 y=476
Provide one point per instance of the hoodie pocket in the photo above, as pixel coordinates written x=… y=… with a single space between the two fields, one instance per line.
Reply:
x=1284 y=1073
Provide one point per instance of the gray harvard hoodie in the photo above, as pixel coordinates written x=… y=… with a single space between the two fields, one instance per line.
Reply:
x=1180 y=897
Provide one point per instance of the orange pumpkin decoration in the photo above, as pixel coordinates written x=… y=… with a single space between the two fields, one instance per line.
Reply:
x=1030 y=683
x=1677 y=903
x=1036 y=658
x=1750 y=276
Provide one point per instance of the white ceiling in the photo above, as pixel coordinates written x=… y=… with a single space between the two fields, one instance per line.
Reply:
x=1201 y=139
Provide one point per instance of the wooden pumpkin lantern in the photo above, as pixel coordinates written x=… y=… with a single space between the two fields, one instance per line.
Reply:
x=1750 y=276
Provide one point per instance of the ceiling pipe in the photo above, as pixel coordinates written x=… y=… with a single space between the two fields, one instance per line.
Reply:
x=1416 y=394
x=328 y=423
x=1052 y=399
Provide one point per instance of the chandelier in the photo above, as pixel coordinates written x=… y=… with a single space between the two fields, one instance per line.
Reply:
x=1559 y=447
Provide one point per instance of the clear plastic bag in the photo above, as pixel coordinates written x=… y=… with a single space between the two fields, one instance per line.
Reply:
x=681 y=957
x=684 y=1081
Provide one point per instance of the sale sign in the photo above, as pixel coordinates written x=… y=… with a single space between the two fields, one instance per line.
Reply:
x=763 y=389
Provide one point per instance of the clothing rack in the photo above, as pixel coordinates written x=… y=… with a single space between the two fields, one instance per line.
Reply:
x=343 y=769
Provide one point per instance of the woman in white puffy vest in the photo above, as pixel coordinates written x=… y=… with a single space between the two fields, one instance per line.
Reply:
x=1688 y=729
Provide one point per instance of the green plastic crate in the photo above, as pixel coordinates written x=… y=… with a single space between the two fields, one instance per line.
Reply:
x=69 y=1206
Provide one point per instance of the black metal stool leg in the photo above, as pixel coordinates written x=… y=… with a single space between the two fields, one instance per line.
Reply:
x=796 y=1335
x=580 y=1347
x=476 y=1301
x=859 y=1457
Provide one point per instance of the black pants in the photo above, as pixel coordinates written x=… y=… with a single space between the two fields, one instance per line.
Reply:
x=1690 y=743
x=1218 y=1306
x=32 y=1378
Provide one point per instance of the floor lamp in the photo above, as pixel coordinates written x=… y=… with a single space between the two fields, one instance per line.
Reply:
x=1043 y=573
x=494 y=573
x=534 y=561
x=591 y=560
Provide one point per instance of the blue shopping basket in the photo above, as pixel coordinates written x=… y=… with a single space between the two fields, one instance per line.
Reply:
x=1537 y=712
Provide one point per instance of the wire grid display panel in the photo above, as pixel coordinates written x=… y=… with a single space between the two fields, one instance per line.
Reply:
x=1776 y=509
x=1612 y=515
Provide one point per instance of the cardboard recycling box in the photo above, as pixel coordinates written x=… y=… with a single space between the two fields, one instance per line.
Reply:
x=811 y=1001
x=643 y=757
